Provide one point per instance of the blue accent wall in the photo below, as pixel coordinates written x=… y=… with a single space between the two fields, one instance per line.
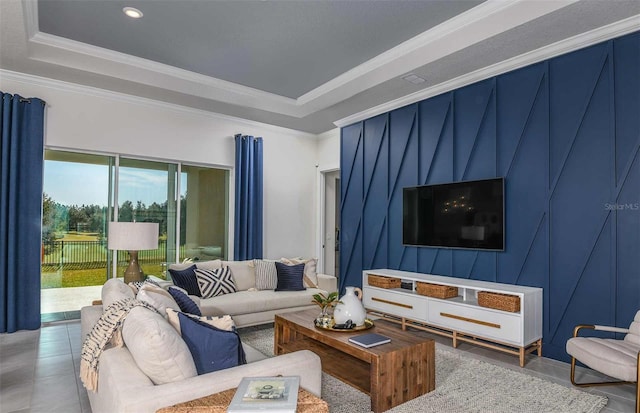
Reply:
x=565 y=134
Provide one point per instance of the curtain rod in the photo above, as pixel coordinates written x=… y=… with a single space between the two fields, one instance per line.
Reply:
x=23 y=100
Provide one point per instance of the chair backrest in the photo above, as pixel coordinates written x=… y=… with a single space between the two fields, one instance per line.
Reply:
x=634 y=330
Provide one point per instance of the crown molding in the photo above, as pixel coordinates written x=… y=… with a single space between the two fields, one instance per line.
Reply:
x=70 y=53
x=90 y=91
x=474 y=25
x=145 y=64
x=613 y=30
x=449 y=26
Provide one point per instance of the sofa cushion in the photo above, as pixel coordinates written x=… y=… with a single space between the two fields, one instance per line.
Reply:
x=266 y=274
x=215 y=282
x=209 y=265
x=310 y=269
x=248 y=302
x=290 y=277
x=136 y=285
x=212 y=349
x=223 y=322
x=156 y=347
x=115 y=290
x=186 y=304
x=186 y=278
x=158 y=297
x=206 y=265
x=243 y=274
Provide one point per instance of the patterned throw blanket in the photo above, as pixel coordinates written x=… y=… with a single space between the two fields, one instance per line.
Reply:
x=107 y=330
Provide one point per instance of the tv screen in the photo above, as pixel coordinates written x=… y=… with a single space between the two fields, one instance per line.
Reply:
x=466 y=214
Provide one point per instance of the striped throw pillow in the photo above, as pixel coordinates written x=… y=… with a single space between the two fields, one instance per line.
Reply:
x=217 y=282
x=266 y=274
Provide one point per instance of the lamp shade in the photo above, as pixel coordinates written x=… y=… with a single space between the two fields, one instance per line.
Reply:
x=133 y=236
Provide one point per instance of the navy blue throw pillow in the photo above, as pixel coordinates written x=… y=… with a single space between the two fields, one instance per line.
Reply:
x=185 y=303
x=212 y=349
x=290 y=277
x=186 y=279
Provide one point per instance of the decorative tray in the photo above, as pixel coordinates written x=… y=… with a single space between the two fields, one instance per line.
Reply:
x=367 y=325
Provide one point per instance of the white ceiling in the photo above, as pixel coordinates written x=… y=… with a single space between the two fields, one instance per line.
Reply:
x=303 y=64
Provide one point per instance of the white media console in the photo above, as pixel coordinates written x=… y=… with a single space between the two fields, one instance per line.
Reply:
x=460 y=317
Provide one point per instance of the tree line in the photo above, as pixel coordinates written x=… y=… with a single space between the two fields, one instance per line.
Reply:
x=58 y=219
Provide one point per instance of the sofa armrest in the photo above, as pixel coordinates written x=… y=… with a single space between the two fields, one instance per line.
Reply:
x=89 y=316
x=326 y=282
x=123 y=387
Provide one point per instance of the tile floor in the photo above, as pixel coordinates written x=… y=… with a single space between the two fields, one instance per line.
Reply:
x=39 y=371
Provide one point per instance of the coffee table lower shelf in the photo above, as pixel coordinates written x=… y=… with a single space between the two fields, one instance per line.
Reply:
x=334 y=362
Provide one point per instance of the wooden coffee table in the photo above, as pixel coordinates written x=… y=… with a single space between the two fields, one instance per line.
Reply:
x=391 y=374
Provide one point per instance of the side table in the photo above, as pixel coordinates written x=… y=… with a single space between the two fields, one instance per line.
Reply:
x=218 y=403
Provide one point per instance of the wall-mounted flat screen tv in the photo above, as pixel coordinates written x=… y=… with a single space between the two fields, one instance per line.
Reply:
x=467 y=214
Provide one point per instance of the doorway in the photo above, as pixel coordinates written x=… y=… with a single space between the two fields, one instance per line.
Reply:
x=331 y=230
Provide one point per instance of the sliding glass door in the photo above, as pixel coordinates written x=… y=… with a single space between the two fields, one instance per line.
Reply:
x=75 y=211
x=81 y=195
x=203 y=213
x=147 y=193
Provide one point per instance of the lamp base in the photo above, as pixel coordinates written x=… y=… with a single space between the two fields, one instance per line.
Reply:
x=133 y=272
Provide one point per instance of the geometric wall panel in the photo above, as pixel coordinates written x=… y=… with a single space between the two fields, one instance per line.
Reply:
x=565 y=135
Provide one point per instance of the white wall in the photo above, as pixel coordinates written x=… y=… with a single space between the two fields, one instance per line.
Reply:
x=94 y=120
x=327 y=159
x=328 y=150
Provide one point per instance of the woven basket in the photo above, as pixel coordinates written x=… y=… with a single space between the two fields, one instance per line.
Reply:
x=498 y=301
x=383 y=282
x=436 y=290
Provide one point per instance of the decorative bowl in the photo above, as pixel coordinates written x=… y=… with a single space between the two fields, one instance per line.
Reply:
x=367 y=325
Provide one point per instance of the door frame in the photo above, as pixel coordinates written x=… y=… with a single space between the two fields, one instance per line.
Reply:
x=322 y=171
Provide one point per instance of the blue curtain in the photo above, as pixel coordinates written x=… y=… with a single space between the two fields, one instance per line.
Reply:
x=248 y=217
x=21 y=163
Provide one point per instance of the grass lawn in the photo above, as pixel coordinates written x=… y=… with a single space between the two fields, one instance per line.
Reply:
x=82 y=278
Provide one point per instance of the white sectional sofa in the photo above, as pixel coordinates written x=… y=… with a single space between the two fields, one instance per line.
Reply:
x=123 y=386
x=249 y=306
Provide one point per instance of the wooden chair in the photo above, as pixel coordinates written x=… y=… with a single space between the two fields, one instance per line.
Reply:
x=619 y=359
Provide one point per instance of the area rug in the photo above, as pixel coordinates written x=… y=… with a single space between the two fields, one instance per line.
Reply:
x=463 y=385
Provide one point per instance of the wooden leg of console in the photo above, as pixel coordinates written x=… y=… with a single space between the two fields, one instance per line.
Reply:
x=455 y=339
x=522 y=354
x=540 y=348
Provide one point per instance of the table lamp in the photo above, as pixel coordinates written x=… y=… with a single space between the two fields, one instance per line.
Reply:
x=133 y=237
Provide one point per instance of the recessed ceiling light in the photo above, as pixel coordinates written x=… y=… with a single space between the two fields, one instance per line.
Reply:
x=413 y=79
x=132 y=12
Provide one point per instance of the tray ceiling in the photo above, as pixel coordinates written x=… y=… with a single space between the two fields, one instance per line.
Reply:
x=297 y=64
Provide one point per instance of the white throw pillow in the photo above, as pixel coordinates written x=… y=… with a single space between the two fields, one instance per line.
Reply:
x=223 y=322
x=156 y=347
x=158 y=297
x=115 y=290
x=310 y=273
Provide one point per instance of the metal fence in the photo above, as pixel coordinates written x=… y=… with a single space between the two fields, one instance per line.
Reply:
x=93 y=254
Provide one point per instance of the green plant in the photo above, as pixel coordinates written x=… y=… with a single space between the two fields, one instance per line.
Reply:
x=326 y=302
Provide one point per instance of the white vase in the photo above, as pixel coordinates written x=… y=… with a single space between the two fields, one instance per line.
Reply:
x=350 y=307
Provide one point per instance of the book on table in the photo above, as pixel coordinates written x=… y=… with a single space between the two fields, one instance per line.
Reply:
x=266 y=394
x=370 y=340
